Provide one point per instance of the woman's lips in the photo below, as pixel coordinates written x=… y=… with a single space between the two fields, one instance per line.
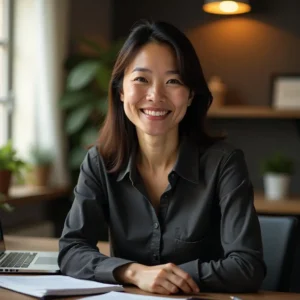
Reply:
x=155 y=114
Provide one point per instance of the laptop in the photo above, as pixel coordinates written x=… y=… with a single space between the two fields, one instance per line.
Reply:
x=26 y=261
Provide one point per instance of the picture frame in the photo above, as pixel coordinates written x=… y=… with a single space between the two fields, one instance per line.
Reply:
x=285 y=91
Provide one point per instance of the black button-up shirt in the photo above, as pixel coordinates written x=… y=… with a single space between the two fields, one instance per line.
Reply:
x=206 y=222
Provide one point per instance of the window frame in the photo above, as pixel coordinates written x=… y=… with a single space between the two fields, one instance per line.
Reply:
x=6 y=43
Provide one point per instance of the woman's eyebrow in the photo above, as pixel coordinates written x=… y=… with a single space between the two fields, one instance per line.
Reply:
x=139 y=69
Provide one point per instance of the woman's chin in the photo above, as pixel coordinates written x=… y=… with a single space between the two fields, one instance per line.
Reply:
x=155 y=132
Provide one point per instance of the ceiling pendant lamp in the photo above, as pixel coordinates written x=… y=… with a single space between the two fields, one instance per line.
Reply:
x=226 y=7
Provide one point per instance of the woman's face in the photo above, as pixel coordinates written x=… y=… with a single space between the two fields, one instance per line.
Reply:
x=155 y=98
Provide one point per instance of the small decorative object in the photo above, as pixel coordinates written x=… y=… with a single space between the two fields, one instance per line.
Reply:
x=218 y=91
x=41 y=162
x=277 y=171
x=285 y=92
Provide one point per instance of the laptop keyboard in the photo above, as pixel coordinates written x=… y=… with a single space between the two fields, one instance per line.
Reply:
x=17 y=260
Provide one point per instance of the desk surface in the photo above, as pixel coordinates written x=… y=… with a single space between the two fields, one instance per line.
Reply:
x=48 y=244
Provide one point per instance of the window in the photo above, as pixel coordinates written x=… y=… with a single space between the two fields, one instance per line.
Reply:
x=5 y=69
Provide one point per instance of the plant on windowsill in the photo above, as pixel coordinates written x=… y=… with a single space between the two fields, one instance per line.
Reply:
x=40 y=164
x=85 y=98
x=277 y=171
x=10 y=165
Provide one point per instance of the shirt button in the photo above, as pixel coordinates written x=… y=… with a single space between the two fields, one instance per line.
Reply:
x=155 y=256
x=156 y=225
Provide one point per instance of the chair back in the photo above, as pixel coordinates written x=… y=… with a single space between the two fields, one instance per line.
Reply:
x=279 y=238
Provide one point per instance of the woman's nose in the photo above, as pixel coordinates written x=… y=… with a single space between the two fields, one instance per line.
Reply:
x=156 y=93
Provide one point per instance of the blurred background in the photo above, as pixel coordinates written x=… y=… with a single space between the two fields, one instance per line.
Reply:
x=55 y=61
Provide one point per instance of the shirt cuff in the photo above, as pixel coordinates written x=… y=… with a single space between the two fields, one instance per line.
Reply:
x=192 y=268
x=104 y=271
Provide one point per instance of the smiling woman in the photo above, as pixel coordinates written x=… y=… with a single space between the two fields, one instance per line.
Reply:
x=178 y=203
x=154 y=95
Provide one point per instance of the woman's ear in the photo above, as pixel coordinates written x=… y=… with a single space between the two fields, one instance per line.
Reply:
x=191 y=97
x=121 y=95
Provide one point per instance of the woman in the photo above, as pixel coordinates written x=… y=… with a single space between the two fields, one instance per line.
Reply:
x=178 y=203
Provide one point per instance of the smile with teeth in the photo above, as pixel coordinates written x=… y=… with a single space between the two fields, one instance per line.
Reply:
x=155 y=112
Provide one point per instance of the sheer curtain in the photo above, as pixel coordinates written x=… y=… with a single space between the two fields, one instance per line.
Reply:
x=41 y=41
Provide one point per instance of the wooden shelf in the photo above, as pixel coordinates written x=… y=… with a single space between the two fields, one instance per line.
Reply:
x=19 y=195
x=26 y=195
x=252 y=112
x=288 y=206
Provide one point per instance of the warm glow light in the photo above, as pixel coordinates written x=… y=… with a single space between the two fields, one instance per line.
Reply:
x=229 y=6
x=226 y=7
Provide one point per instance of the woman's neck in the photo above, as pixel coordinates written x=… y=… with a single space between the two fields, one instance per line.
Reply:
x=157 y=153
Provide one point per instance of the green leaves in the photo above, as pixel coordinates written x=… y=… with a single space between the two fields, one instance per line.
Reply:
x=85 y=98
x=89 y=136
x=102 y=105
x=278 y=163
x=77 y=155
x=9 y=159
x=103 y=78
x=41 y=156
x=83 y=74
x=78 y=117
x=73 y=99
x=7 y=154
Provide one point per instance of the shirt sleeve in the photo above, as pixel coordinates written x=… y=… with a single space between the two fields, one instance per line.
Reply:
x=242 y=269
x=78 y=253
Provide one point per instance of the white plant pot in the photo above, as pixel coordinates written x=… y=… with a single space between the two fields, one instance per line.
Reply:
x=276 y=186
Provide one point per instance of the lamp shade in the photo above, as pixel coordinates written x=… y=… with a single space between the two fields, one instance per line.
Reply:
x=226 y=7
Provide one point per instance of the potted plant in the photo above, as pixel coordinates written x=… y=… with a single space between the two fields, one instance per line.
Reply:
x=10 y=164
x=277 y=171
x=40 y=166
x=84 y=101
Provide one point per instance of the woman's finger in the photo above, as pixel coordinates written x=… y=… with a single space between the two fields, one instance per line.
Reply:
x=169 y=286
x=185 y=276
x=180 y=283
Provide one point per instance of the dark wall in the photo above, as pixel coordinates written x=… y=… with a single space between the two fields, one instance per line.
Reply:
x=244 y=50
x=91 y=18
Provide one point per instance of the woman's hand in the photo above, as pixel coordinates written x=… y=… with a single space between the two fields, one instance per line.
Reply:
x=162 y=279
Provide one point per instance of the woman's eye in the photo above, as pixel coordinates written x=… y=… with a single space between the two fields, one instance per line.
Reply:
x=140 y=79
x=174 y=81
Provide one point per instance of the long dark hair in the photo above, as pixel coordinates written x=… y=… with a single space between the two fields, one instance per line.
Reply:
x=118 y=135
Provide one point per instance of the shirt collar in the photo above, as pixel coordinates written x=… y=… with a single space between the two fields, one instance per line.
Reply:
x=186 y=166
x=130 y=168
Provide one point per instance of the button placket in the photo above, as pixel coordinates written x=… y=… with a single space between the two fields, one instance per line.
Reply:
x=155 y=245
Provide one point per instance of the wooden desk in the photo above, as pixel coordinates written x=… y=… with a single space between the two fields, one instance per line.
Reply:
x=50 y=244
